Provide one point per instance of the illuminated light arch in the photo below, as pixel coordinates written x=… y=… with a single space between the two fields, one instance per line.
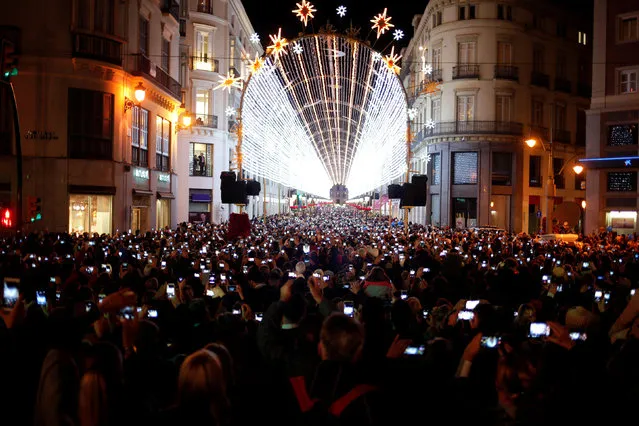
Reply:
x=331 y=115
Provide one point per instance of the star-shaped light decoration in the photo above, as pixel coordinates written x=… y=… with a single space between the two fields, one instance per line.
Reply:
x=230 y=111
x=304 y=11
x=257 y=65
x=279 y=43
x=341 y=11
x=377 y=56
x=391 y=61
x=382 y=23
x=398 y=34
x=427 y=158
x=430 y=124
x=255 y=38
x=430 y=88
x=228 y=81
x=428 y=69
x=412 y=113
x=297 y=49
x=628 y=163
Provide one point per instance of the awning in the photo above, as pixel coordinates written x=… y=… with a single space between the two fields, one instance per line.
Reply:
x=142 y=192
x=91 y=189
x=166 y=195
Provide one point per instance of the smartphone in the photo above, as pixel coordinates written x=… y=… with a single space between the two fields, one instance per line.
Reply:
x=490 y=342
x=52 y=280
x=412 y=272
x=152 y=313
x=220 y=265
x=465 y=315
x=415 y=350
x=538 y=329
x=471 y=304
x=41 y=298
x=101 y=297
x=223 y=277
x=292 y=275
x=349 y=308
x=245 y=269
x=598 y=295
x=325 y=278
x=425 y=313
x=163 y=263
x=88 y=306
x=209 y=292
x=10 y=293
x=125 y=265
x=58 y=295
x=90 y=269
x=127 y=313
x=232 y=288
x=316 y=275
x=632 y=292
x=237 y=311
x=426 y=269
x=585 y=265
x=545 y=278
x=170 y=290
x=259 y=316
x=196 y=275
x=362 y=278
x=403 y=294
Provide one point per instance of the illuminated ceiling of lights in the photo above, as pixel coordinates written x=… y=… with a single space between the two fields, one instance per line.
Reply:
x=331 y=115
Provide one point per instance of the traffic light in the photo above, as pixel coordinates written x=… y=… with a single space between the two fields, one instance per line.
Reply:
x=35 y=209
x=38 y=211
x=6 y=218
x=9 y=65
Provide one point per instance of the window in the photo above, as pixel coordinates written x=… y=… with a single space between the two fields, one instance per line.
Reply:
x=90 y=213
x=628 y=29
x=580 y=182
x=184 y=64
x=557 y=165
x=437 y=18
x=622 y=181
x=462 y=12
x=84 y=14
x=471 y=11
x=90 y=124
x=200 y=205
x=435 y=110
x=504 y=12
x=435 y=217
x=622 y=135
x=204 y=6
x=534 y=171
x=139 y=136
x=561 y=65
x=538 y=60
x=203 y=51
x=466 y=53
x=560 y=117
x=502 y=169
x=201 y=106
x=103 y=12
x=582 y=38
x=464 y=168
x=581 y=127
x=166 y=54
x=504 y=108
x=537 y=113
x=162 y=143
x=144 y=37
x=628 y=81
x=465 y=108
x=201 y=160
x=435 y=168
x=437 y=58
x=467 y=12
x=504 y=53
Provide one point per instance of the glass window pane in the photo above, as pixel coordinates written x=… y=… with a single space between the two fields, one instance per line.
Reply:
x=464 y=168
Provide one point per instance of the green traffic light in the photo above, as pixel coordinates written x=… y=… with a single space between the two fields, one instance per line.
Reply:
x=38 y=216
x=32 y=219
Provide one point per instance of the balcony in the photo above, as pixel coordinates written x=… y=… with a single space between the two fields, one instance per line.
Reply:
x=465 y=71
x=472 y=128
x=97 y=48
x=507 y=72
x=540 y=79
x=559 y=135
x=182 y=27
x=436 y=75
x=584 y=90
x=144 y=67
x=204 y=63
x=171 y=7
x=563 y=85
x=203 y=120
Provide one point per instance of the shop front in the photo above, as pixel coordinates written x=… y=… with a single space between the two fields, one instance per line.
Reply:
x=141 y=200
x=91 y=209
x=622 y=222
x=200 y=205
x=164 y=200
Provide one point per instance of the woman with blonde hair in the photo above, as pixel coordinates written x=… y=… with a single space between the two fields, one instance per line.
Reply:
x=201 y=395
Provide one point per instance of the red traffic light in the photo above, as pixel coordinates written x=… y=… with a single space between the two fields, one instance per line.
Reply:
x=7 y=219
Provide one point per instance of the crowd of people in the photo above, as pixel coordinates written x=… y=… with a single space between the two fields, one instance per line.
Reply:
x=326 y=316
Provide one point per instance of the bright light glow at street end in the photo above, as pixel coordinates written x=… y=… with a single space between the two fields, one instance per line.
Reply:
x=331 y=115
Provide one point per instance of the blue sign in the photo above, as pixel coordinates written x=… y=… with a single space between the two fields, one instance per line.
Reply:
x=538 y=214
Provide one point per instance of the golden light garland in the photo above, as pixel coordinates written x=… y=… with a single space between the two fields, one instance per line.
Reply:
x=382 y=23
x=304 y=11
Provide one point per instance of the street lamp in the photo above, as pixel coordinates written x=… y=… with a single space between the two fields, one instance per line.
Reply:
x=578 y=168
x=139 y=94
x=583 y=204
x=531 y=142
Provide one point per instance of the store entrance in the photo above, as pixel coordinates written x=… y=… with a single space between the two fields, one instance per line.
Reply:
x=464 y=212
x=140 y=219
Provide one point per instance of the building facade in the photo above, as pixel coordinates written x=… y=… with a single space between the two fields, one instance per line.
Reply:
x=99 y=158
x=483 y=77
x=216 y=41
x=611 y=145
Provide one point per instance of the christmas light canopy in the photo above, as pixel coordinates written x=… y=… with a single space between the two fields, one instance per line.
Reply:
x=381 y=23
x=304 y=11
x=341 y=11
x=279 y=43
x=328 y=116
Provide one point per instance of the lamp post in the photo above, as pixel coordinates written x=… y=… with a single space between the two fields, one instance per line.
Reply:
x=549 y=186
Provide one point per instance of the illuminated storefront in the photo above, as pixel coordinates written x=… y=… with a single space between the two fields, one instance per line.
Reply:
x=90 y=213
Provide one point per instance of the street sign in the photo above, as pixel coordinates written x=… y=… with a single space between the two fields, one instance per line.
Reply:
x=538 y=214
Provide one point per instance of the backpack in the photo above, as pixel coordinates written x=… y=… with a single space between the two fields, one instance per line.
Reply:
x=318 y=412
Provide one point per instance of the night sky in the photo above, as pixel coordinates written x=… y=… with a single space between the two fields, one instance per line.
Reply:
x=268 y=16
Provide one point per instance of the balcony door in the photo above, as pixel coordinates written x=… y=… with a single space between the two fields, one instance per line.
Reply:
x=504 y=53
x=465 y=108
x=467 y=53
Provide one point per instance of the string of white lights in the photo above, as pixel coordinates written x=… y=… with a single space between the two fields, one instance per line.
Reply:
x=327 y=113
